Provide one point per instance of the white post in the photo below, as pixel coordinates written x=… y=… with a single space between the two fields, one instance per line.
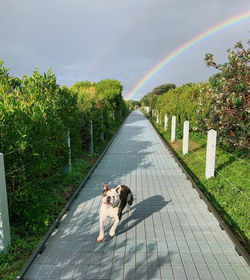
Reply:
x=157 y=118
x=185 y=137
x=165 y=122
x=69 y=150
x=210 y=156
x=91 y=148
x=4 y=212
x=173 y=128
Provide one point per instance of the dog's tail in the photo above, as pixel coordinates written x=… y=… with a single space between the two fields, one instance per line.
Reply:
x=130 y=198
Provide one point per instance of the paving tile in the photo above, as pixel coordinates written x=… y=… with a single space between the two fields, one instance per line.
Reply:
x=45 y=270
x=179 y=272
x=204 y=272
x=80 y=271
x=154 y=273
x=117 y=272
x=191 y=272
x=68 y=272
x=141 y=272
x=166 y=272
x=33 y=271
x=129 y=272
x=242 y=273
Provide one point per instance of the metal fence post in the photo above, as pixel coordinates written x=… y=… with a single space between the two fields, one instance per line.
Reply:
x=185 y=137
x=173 y=128
x=102 y=128
x=210 y=156
x=69 y=150
x=91 y=148
x=5 y=240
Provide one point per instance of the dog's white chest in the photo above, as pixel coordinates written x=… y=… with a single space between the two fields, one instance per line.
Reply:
x=109 y=211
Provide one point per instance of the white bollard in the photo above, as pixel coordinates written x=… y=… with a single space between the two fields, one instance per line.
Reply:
x=4 y=212
x=185 y=137
x=165 y=122
x=157 y=118
x=210 y=156
x=173 y=126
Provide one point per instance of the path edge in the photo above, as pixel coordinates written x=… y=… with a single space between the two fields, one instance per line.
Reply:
x=240 y=250
x=39 y=249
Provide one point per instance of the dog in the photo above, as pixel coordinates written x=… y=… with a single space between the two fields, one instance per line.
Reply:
x=113 y=203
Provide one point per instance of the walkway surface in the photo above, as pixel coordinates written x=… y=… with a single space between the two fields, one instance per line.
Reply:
x=168 y=234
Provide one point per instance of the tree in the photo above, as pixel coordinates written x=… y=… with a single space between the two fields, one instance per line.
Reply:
x=163 y=89
x=228 y=94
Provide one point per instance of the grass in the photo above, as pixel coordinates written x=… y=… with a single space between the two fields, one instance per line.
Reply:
x=23 y=245
x=229 y=190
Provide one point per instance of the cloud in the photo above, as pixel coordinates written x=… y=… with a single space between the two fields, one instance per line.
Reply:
x=93 y=40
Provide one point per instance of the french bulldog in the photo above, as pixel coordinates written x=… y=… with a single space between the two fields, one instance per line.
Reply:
x=113 y=203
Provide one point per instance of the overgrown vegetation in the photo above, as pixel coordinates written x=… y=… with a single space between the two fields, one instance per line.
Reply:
x=35 y=118
x=222 y=104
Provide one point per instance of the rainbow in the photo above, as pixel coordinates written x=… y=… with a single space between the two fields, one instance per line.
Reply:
x=185 y=47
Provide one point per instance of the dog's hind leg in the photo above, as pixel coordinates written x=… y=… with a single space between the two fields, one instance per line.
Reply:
x=129 y=201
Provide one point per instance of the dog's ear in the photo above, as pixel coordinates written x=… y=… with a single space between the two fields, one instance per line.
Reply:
x=118 y=189
x=105 y=187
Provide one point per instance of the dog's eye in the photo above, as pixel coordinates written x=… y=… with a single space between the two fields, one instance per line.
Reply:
x=113 y=197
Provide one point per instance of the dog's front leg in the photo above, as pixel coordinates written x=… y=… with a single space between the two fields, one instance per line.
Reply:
x=101 y=233
x=113 y=228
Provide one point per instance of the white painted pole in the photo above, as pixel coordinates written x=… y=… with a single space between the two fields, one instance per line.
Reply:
x=4 y=212
x=157 y=118
x=173 y=126
x=210 y=156
x=165 y=122
x=185 y=137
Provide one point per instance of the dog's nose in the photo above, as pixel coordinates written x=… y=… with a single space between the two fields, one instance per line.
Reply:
x=109 y=197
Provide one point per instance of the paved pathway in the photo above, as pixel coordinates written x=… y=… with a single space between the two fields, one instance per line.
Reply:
x=168 y=234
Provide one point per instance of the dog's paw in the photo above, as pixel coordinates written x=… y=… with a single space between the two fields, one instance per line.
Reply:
x=112 y=233
x=99 y=239
x=128 y=208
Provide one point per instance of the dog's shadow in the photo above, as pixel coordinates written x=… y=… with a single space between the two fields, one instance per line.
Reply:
x=142 y=210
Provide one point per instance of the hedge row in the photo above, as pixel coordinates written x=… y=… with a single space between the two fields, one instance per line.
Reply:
x=35 y=115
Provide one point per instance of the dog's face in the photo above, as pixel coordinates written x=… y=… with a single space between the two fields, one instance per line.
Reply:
x=110 y=197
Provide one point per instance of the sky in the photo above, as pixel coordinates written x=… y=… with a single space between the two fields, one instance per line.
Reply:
x=117 y=39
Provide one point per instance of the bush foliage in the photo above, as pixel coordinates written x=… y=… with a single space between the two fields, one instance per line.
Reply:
x=36 y=115
x=222 y=103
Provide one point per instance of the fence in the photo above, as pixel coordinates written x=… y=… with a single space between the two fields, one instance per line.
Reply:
x=210 y=149
x=5 y=239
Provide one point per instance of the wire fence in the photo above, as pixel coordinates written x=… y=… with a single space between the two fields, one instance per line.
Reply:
x=204 y=160
x=17 y=177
